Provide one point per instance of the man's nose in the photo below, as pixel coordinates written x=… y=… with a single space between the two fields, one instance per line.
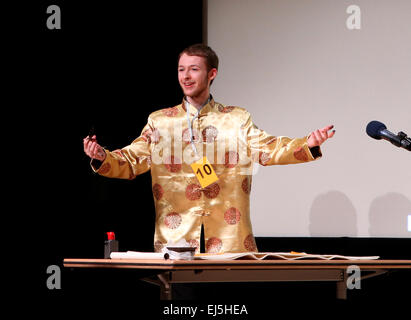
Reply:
x=186 y=75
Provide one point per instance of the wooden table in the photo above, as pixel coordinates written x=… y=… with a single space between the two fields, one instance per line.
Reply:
x=167 y=272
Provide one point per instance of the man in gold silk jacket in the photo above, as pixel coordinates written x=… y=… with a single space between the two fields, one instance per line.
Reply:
x=199 y=127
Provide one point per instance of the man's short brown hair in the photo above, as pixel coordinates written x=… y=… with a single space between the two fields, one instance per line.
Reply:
x=204 y=51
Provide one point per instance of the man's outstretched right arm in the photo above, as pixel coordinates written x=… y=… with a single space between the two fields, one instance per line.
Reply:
x=125 y=163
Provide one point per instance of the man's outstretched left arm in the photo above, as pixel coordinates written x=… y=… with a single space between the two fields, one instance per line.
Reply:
x=272 y=150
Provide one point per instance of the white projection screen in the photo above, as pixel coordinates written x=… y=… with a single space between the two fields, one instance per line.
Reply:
x=297 y=66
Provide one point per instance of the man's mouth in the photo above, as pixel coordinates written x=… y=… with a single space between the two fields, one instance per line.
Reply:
x=188 y=84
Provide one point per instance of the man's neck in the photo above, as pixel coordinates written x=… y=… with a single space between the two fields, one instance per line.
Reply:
x=198 y=101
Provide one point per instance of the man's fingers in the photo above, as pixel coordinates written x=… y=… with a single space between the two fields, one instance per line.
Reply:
x=319 y=136
x=90 y=149
x=87 y=146
x=94 y=149
x=86 y=143
x=316 y=137
x=323 y=135
x=328 y=134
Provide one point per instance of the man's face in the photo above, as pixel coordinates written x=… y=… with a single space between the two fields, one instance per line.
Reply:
x=193 y=76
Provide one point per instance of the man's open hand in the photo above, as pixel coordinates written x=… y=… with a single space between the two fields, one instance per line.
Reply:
x=318 y=137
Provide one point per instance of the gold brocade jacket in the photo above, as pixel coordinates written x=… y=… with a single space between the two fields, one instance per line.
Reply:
x=231 y=142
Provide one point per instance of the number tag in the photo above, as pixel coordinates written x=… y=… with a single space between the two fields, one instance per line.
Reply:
x=204 y=172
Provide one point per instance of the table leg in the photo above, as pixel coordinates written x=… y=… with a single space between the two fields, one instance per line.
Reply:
x=342 y=287
x=165 y=287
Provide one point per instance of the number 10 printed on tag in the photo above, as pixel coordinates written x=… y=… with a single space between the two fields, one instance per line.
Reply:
x=204 y=172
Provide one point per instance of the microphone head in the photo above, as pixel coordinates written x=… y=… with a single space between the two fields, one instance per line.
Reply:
x=374 y=128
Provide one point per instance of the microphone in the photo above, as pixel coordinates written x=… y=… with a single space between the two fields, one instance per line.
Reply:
x=378 y=130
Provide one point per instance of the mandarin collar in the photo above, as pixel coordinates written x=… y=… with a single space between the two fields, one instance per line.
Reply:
x=204 y=109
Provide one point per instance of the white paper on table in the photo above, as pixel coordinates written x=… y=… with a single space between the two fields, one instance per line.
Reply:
x=137 y=255
x=278 y=256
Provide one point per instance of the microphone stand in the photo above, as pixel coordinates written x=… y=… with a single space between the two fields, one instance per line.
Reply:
x=405 y=141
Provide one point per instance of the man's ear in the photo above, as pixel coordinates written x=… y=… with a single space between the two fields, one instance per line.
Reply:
x=212 y=74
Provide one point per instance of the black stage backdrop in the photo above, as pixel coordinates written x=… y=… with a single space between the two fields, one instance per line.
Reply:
x=110 y=66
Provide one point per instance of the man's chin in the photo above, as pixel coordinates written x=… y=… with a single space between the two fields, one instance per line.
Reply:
x=190 y=93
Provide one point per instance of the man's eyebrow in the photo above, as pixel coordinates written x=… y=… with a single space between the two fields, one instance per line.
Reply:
x=191 y=65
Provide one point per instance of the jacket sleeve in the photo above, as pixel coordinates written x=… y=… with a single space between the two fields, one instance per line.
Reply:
x=130 y=161
x=271 y=150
